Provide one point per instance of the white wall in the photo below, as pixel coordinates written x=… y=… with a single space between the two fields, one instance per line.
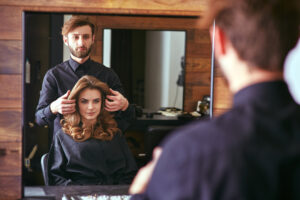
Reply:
x=153 y=69
x=164 y=50
x=66 y=52
x=106 y=47
x=292 y=72
x=177 y=50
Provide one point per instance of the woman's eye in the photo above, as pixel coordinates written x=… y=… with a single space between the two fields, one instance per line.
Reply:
x=97 y=101
x=83 y=101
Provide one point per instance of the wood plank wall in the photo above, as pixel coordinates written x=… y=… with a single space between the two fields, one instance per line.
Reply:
x=10 y=102
x=186 y=14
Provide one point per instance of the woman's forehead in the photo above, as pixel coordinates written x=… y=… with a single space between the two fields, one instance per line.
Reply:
x=90 y=93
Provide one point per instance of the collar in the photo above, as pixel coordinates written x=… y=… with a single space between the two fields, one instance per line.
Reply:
x=271 y=94
x=74 y=65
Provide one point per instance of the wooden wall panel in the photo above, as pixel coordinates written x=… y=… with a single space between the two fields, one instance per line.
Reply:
x=11 y=23
x=197 y=68
x=10 y=187
x=10 y=125
x=10 y=102
x=192 y=95
x=11 y=91
x=10 y=157
x=10 y=136
x=10 y=57
x=199 y=64
x=96 y=53
x=222 y=96
x=149 y=7
x=147 y=22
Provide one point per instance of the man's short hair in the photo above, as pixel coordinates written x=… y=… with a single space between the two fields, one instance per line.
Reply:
x=261 y=31
x=77 y=21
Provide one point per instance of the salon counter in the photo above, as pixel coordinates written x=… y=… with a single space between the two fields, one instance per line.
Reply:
x=117 y=192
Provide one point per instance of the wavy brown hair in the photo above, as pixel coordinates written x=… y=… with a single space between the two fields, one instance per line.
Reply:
x=105 y=127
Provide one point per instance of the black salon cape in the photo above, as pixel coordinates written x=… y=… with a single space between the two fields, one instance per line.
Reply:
x=61 y=78
x=92 y=162
x=251 y=152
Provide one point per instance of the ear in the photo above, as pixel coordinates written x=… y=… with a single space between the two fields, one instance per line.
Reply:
x=93 y=38
x=65 y=39
x=220 y=40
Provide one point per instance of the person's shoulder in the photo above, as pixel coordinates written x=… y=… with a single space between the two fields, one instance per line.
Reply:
x=58 y=68
x=101 y=66
x=61 y=135
x=118 y=137
x=98 y=64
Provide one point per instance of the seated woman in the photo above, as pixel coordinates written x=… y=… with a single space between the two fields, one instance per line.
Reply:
x=90 y=149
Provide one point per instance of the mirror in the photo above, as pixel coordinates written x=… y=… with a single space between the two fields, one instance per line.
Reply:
x=154 y=66
x=152 y=69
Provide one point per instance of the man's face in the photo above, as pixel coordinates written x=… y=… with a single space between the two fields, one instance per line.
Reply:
x=80 y=41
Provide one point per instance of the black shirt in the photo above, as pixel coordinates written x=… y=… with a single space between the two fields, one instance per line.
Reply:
x=61 y=78
x=251 y=152
x=92 y=162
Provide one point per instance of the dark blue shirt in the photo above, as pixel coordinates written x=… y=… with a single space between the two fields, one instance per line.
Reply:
x=251 y=152
x=61 y=78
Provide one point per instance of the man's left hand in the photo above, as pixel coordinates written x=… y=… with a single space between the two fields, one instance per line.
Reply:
x=115 y=102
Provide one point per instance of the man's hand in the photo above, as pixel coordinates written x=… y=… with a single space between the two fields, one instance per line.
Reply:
x=62 y=105
x=115 y=102
x=143 y=177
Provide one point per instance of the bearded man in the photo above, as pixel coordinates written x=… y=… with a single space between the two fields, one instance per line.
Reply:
x=79 y=36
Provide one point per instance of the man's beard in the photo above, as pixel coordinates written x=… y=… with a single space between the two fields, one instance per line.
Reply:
x=80 y=54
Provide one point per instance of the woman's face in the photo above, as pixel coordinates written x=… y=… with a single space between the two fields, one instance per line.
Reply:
x=89 y=104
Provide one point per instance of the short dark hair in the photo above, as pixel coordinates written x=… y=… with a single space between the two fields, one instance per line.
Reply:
x=77 y=21
x=261 y=31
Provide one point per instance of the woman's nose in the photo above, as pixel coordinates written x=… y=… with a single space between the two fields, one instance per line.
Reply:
x=90 y=106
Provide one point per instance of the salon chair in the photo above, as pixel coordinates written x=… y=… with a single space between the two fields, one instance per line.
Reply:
x=44 y=166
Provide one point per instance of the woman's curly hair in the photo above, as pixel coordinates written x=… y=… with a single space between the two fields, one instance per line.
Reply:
x=105 y=127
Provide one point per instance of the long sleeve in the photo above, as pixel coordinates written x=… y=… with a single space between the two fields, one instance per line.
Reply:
x=125 y=118
x=48 y=94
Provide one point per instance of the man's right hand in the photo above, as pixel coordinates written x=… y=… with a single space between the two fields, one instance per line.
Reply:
x=62 y=105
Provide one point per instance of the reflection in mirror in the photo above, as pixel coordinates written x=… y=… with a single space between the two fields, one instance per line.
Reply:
x=42 y=49
x=149 y=64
